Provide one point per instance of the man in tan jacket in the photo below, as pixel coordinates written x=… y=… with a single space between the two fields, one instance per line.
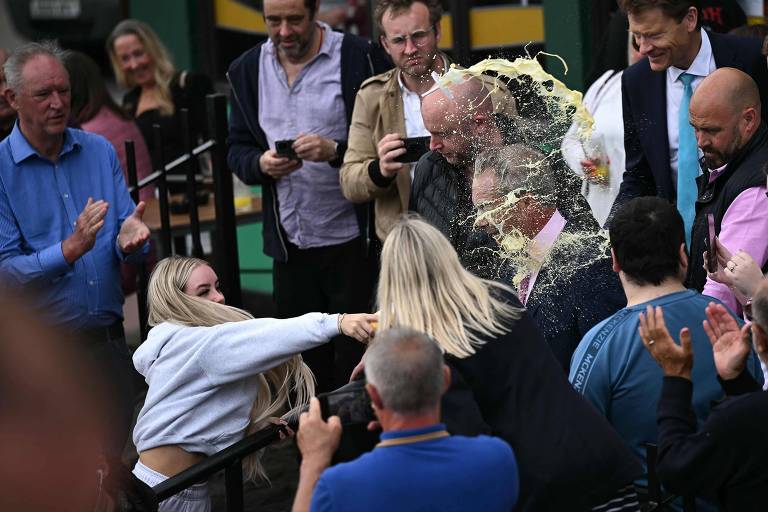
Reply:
x=388 y=109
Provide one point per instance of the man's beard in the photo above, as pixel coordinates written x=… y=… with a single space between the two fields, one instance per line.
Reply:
x=721 y=158
x=422 y=70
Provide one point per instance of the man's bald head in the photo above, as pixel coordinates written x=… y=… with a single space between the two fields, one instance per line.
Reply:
x=729 y=87
x=725 y=113
x=458 y=116
x=464 y=99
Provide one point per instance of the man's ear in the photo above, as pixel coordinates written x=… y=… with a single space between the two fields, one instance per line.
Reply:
x=480 y=118
x=446 y=378
x=760 y=341
x=683 y=258
x=10 y=98
x=614 y=262
x=691 y=18
x=749 y=116
x=375 y=397
x=384 y=44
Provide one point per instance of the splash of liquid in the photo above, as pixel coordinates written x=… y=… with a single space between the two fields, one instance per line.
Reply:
x=560 y=107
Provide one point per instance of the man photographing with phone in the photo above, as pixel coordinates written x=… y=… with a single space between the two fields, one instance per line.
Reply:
x=387 y=110
x=725 y=115
x=417 y=465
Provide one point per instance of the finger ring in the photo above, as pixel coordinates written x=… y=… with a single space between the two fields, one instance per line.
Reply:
x=651 y=342
x=731 y=265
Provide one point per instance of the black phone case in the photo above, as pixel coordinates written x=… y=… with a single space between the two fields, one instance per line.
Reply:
x=415 y=147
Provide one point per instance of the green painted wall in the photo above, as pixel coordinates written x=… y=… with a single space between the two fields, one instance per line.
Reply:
x=566 y=33
x=176 y=22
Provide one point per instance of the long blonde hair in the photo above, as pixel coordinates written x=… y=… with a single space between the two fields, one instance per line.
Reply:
x=424 y=286
x=168 y=303
x=164 y=68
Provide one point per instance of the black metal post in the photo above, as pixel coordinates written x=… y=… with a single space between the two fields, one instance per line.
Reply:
x=654 y=486
x=233 y=483
x=143 y=279
x=162 y=189
x=192 y=168
x=462 y=43
x=227 y=261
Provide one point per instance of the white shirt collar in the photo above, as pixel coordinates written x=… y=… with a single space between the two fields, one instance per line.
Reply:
x=700 y=65
x=539 y=247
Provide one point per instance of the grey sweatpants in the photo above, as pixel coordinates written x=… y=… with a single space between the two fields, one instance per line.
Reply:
x=193 y=499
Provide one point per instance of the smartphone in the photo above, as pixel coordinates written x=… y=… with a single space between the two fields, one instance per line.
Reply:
x=285 y=148
x=350 y=403
x=414 y=148
x=711 y=245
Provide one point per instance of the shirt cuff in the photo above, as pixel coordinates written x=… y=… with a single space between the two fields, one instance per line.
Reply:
x=378 y=179
x=676 y=393
x=52 y=260
x=742 y=384
x=341 y=149
x=133 y=257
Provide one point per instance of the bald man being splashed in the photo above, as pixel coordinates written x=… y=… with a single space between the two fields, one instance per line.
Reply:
x=461 y=120
x=725 y=114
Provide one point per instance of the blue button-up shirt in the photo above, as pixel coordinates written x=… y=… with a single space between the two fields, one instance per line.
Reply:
x=313 y=211
x=40 y=201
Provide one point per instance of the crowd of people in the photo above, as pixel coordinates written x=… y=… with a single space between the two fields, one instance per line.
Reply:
x=526 y=318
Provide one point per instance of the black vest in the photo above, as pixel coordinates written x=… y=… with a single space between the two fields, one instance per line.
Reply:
x=743 y=172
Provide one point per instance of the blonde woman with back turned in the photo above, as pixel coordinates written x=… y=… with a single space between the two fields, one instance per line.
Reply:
x=504 y=379
x=215 y=373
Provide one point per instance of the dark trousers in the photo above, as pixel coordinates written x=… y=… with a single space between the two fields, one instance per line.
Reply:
x=333 y=279
x=114 y=366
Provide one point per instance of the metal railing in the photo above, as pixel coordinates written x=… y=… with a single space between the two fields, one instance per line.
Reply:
x=659 y=501
x=230 y=461
x=225 y=255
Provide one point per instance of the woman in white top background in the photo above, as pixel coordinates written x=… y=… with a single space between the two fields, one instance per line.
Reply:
x=600 y=161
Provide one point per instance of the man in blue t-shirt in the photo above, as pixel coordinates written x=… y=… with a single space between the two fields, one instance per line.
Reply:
x=611 y=367
x=417 y=465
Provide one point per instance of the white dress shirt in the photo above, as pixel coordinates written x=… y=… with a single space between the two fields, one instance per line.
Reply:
x=414 y=124
x=701 y=67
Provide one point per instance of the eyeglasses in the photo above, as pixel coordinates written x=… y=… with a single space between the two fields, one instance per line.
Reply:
x=418 y=38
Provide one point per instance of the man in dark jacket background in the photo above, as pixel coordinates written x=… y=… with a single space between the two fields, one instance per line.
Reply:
x=298 y=89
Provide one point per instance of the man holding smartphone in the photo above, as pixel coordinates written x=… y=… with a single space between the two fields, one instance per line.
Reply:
x=292 y=102
x=388 y=110
x=725 y=115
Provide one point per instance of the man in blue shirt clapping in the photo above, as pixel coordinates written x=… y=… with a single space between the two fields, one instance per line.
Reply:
x=67 y=220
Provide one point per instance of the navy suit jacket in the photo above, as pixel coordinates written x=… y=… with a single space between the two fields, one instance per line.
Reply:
x=644 y=98
x=575 y=289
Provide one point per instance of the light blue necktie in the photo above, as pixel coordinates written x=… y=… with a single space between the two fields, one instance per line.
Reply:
x=687 y=161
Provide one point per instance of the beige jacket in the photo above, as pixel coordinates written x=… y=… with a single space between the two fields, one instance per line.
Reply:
x=378 y=111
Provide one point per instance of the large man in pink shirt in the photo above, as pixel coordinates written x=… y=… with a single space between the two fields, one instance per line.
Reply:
x=725 y=114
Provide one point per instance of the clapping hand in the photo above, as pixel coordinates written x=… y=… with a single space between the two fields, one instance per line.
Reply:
x=730 y=344
x=87 y=227
x=133 y=232
x=675 y=360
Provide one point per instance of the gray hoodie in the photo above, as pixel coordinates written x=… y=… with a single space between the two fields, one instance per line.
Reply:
x=202 y=380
